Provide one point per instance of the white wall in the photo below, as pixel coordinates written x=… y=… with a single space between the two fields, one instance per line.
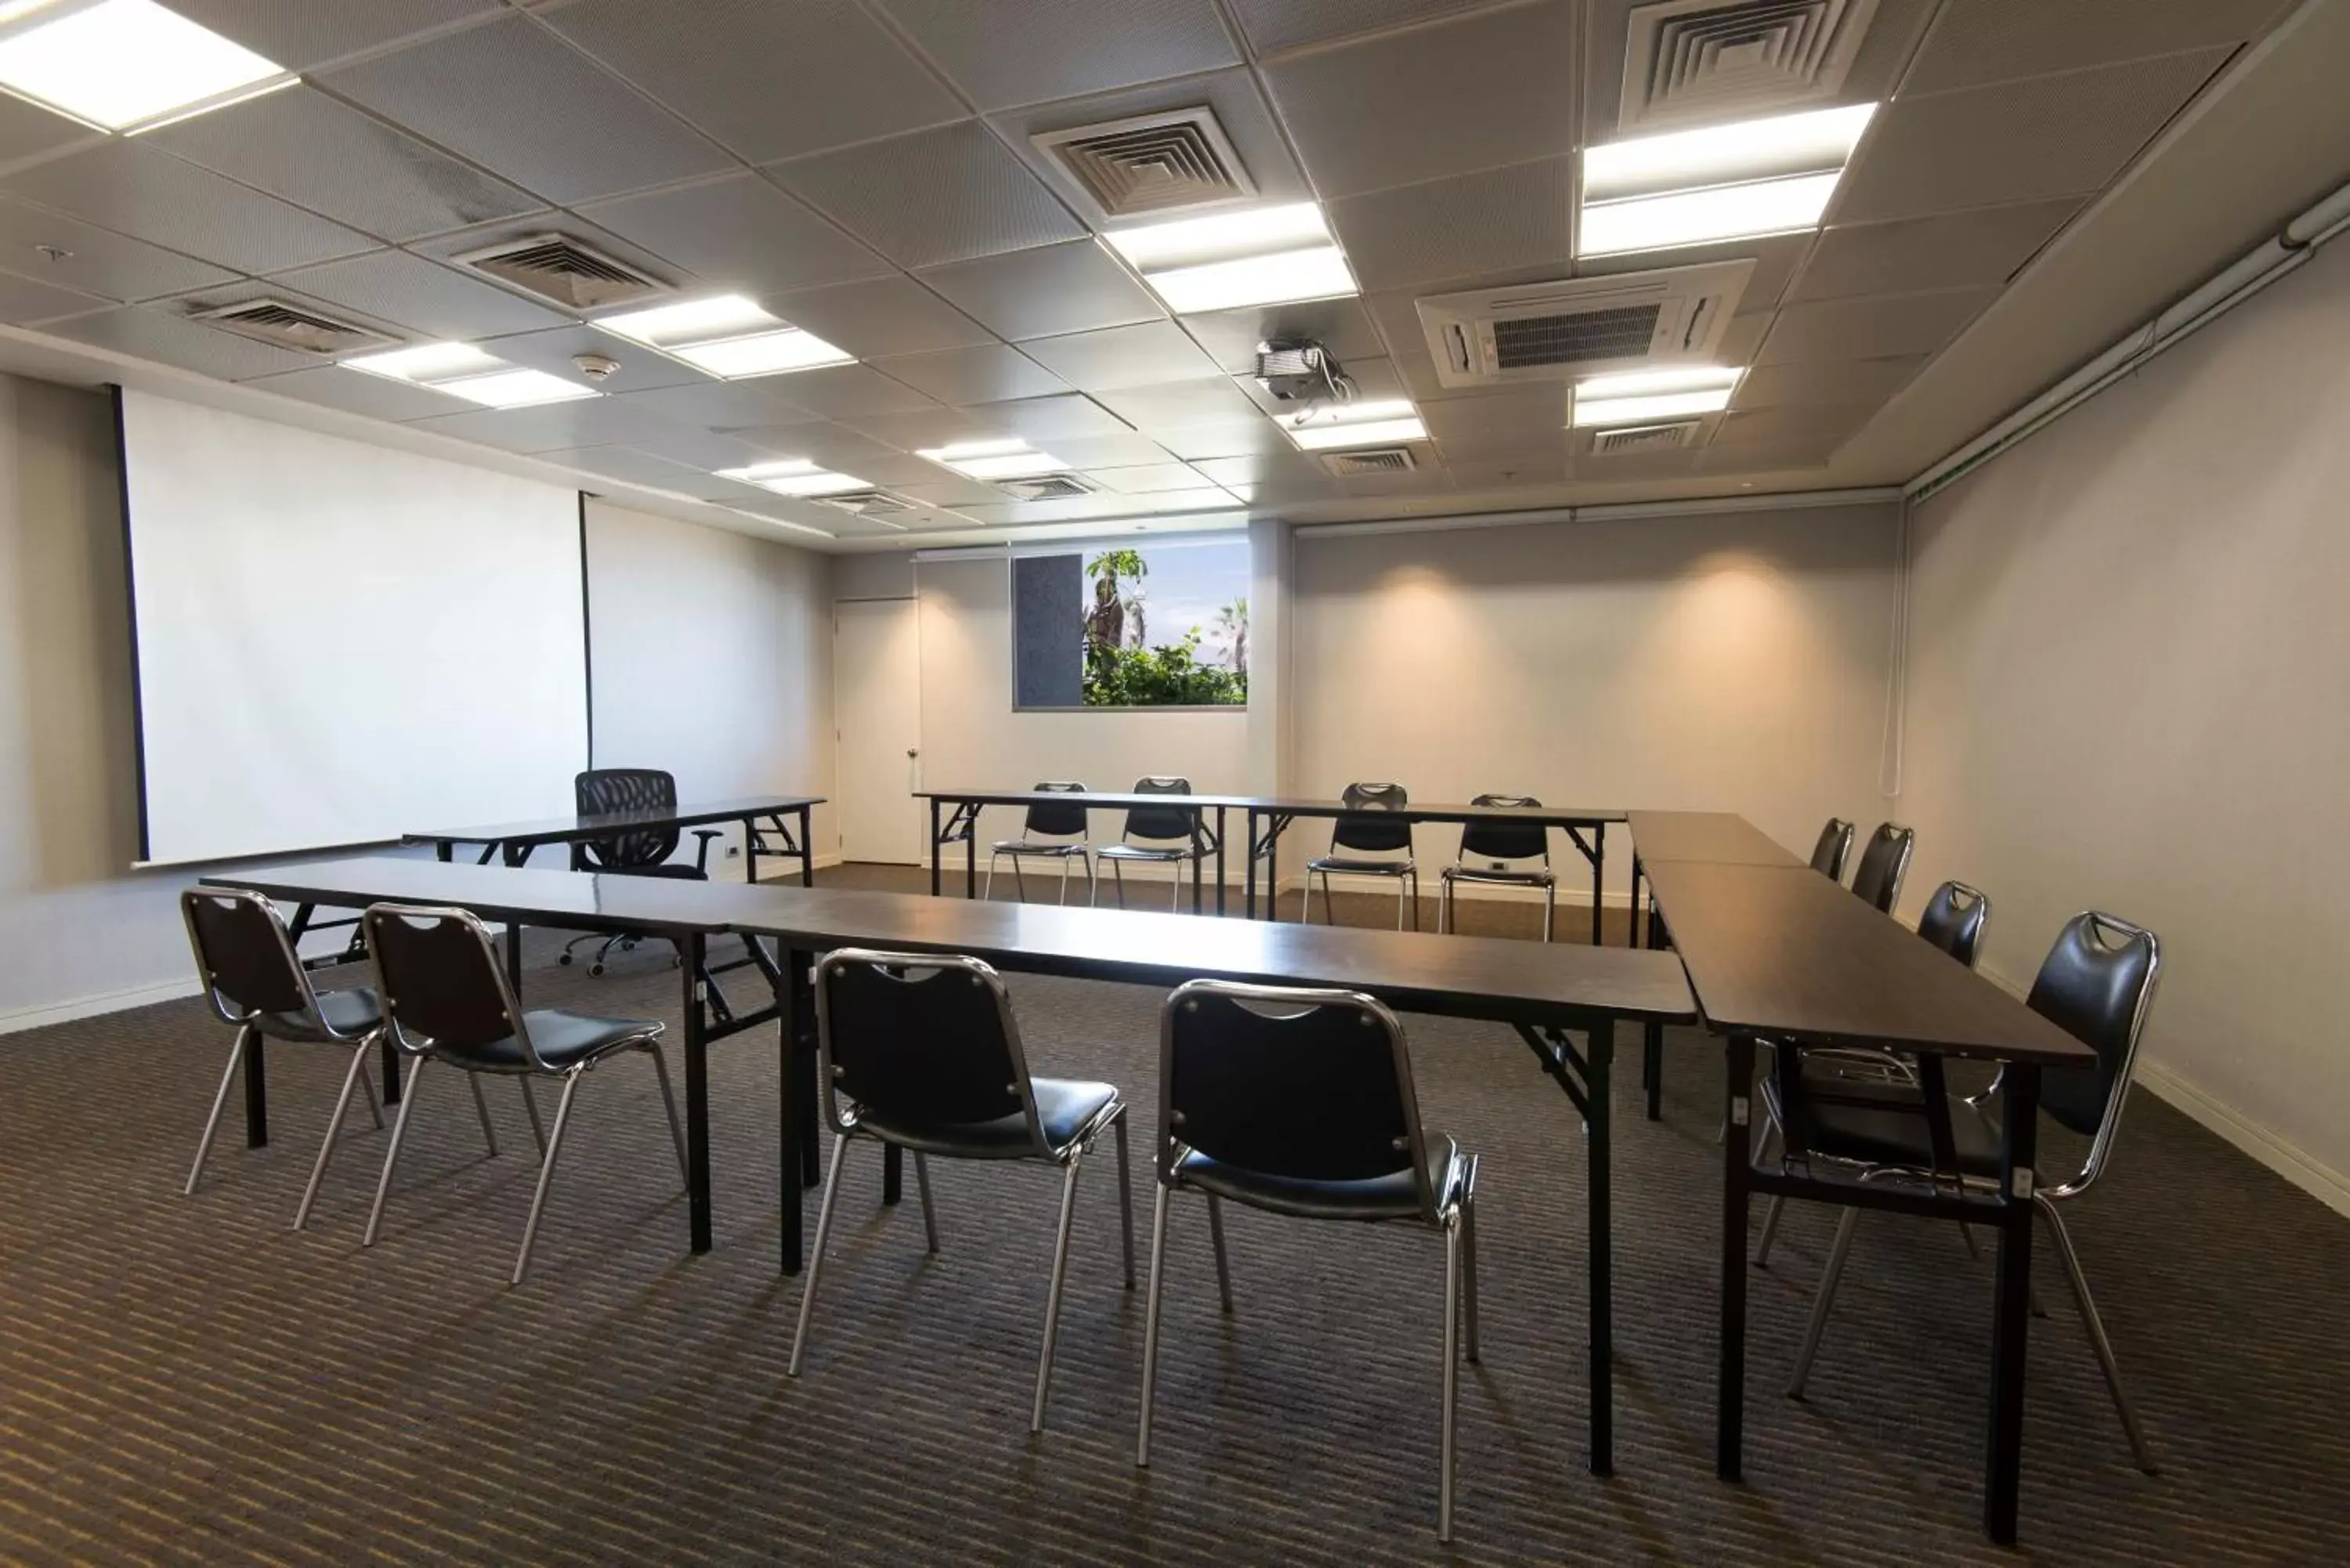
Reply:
x=1729 y=662
x=712 y=659
x=2128 y=661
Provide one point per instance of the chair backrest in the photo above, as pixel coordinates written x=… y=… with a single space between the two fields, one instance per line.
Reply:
x=1161 y=823
x=1491 y=840
x=1311 y=1085
x=1882 y=864
x=601 y=790
x=1954 y=918
x=919 y=1039
x=1057 y=821
x=442 y=986
x=244 y=957
x=1834 y=843
x=2097 y=983
x=1369 y=832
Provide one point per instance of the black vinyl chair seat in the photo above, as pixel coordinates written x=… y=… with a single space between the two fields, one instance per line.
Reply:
x=1030 y=847
x=1345 y=864
x=1067 y=1108
x=1395 y=1196
x=564 y=1040
x=351 y=1012
x=672 y=870
x=1142 y=852
x=1894 y=1131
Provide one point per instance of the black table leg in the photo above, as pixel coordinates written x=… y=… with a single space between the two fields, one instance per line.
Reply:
x=750 y=852
x=1248 y=869
x=803 y=1051
x=1729 y=1388
x=807 y=846
x=1602 y=1245
x=1199 y=861
x=893 y=1173
x=790 y=1122
x=1599 y=881
x=1632 y=934
x=1220 y=860
x=256 y=1092
x=935 y=846
x=690 y=946
x=1652 y=1041
x=442 y=849
x=2012 y=1314
x=971 y=856
x=513 y=955
x=391 y=1072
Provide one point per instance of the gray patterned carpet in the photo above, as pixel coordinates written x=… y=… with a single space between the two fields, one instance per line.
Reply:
x=187 y=1380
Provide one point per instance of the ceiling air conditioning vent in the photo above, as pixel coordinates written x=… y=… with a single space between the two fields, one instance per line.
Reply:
x=1151 y=164
x=283 y=325
x=1372 y=459
x=1581 y=327
x=868 y=502
x=1694 y=61
x=1670 y=437
x=563 y=270
x=1046 y=487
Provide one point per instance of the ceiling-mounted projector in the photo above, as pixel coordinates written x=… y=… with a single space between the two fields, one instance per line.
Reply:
x=1299 y=371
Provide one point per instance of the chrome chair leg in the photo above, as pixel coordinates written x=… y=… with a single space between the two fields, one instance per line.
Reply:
x=481 y=1109
x=1151 y=1328
x=219 y=1100
x=929 y=1215
x=375 y=1106
x=1064 y=899
x=2095 y=1326
x=1443 y=906
x=530 y=1104
x=1451 y=1374
x=1828 y=1282
x=668 y=1103
x=1550 y=908
x=1019 y=878
x=1400 y=884
x=1052 y=1294
x=1468 y=1273
x=815 y=1254
x=1413 y=879
x=546 y=1170
x=1175 y=881
x=1117 y=874
x=392 y=1154
x=1769 y=1229
x=358 y=1069
x=1224 y=1267
x=987 y=889
x=1125 y=1197
x=1329 y=910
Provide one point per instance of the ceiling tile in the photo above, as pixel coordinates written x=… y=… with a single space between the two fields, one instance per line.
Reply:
x=300 y=34
x=1255 y=438
x=936 y=196
x=770 y=81
x=1500 y=219
x=329 y=157
x=1231 y=337
x=355 y=392
x=142 y=191
x=911 y=430
x=423 y=296
x=1536 y=467
x=1489 y=88
x=1521 y=415
x=27 y=131
x=1123 y=356
x=1272 y=26
x=1034 y=50
x=1776 y=258
x=879 y=318
x=550 y=427
x=1234 y=97
x=1985 y=246
x=1122 y=448
x=99 y=261
x=553 y=350
x=1046 y=292
x=989 y=373
x=839 y=391
x=738 y=233
x=1794 y=435
x=1179 y=404
x=1977 y=42
x=1843 y=382
x=1054 y=418
x=833 y=446
x=149 y=333
x=1279 y=467
x=522 y=105
x=630 y=466
x=949 y=490
x=1150 y=479
x=723 y=405
x=26 y=299
x=705 y=450
x=1876 y=327
x=2053 y=136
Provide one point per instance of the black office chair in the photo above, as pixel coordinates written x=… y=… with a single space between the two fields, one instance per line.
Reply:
x=1156 y=835
x=1835 y=843
x=1497 y=844
x=1367 y=835
x=925 y=1048
x=254 y=980
x=1039 y=828
x=2097 y=982
x=445 y=999
x=1883 y=865
x=601 y=791
x=1301 y=1102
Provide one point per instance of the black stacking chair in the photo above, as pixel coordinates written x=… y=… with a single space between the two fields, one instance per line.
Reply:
x=1156 y=835
x=254 y=980
x=445 y=999
x=924 y=1050
x=1884 y=862
x=2098 y=982
x=1497 y=844
x=599 y=791
x=1301 y=1102
x=1834 y=843
x=1367 y=836
x=1047 y=832
x=1954 y=920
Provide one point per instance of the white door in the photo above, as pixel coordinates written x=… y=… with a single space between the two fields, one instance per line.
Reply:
x=877 y=697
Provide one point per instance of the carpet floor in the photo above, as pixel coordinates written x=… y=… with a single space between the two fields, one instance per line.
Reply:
x=188 y=1380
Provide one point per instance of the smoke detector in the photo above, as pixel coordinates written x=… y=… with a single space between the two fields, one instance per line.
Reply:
x=596 y=366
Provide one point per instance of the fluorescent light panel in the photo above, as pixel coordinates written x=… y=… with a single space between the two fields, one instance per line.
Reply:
x=1702 y=217
x=1641 y=383
x=1268 y=256
x=1736 y=182
x=1590 y=411
x=516 y=389
x=795 y=476
x=729 y=336
x=125 y=65
x=465 y=372
x=1374 y=432
x=1011 y=458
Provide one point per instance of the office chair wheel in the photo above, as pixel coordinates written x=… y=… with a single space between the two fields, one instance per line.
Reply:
x=563 y=958
x=597 y=968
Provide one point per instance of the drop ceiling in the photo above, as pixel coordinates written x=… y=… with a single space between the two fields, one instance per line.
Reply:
x=865 y=169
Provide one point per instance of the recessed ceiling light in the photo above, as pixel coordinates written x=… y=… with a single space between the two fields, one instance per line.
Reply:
x=729 y=336
x=1337 y=425
x=765 y=354
x=1268 y=256
x=691 y=321
x=1723 y=183
x=1590 y=411
x=1701 y=217
x=426 y=362
x=465 y=372
x=1641 y=383
x=1013 y=459
x=124 y=65
x=514 y=389
x=795 y=476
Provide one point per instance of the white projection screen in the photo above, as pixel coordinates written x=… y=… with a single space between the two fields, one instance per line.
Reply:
x=339 y=643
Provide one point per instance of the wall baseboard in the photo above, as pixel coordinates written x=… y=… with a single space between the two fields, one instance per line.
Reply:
x=2321 y=1182
x=92 y=1006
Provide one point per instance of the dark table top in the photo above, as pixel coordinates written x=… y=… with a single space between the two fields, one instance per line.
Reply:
x=596 y=900
x=1290 y=805
x=1718 y=836
x=1798 y=956
x=605 y=824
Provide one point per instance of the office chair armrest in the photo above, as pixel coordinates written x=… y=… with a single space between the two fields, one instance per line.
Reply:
x=701 y=837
